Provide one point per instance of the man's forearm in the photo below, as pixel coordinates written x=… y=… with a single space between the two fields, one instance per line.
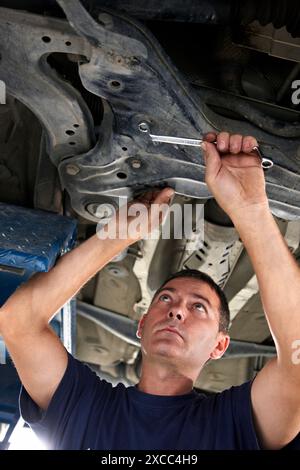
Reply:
x=35 y=302
x=277 y=272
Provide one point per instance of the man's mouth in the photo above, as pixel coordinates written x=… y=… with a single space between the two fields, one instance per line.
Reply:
x=171 y=330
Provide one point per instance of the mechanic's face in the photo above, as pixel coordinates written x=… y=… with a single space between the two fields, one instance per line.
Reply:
x=182 y=324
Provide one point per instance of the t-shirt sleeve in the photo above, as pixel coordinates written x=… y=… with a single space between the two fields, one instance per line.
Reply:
x=233 y=426
x=236 y=407
x=65 y=422
x=243 y=417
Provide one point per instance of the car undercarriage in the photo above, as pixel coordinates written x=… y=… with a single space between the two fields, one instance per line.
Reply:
x=83 y=82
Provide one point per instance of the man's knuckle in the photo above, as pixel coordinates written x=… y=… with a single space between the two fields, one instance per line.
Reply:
x=249 y=140
x=223 y=135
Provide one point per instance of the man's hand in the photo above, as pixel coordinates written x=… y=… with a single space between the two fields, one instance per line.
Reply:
x=143 y=215
x=233 y=173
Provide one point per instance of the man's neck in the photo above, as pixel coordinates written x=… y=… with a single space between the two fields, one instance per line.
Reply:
x=161 y=379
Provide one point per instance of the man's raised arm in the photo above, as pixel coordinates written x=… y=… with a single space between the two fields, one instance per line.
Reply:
x=237 y=182
x=38 y=354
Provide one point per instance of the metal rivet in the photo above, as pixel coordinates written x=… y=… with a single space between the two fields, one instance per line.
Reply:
x=72 y=169
x=101 y=211
x=105 y=19
x=136 y=164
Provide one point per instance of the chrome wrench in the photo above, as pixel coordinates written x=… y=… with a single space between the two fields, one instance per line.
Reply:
x=266 y=163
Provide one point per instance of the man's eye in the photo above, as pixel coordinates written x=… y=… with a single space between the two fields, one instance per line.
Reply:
x=164 y=298
x=200 y=307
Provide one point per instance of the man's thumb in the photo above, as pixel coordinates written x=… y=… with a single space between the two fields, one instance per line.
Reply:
x=212 y=159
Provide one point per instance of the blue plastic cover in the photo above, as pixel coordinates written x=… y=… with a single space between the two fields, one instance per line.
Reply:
x=32 y=239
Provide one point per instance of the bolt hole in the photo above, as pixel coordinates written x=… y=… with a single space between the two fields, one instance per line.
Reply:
x=72 y=143
x=115 y=84
x=121 y=175
x=69 y=132
x=124 y=149
x=76 y=125
x=46 y=39
x=68 y=43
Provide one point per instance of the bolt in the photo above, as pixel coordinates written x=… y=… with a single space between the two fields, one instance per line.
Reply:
x=72 y=169
x=143 y=127
x=105 y=19
x=136 y=164
x=101 y=211
x=104 y=211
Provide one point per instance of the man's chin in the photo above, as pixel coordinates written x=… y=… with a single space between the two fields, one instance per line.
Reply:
x=167 y=351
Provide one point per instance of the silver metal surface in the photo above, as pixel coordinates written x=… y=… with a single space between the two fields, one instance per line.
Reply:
x=26 y=42
x=176 y=140
x=266 y=163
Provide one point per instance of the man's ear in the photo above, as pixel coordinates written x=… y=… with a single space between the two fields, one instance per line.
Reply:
x=140 y=326
x=221 y=346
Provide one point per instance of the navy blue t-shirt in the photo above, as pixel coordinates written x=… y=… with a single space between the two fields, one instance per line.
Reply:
x=89 y=413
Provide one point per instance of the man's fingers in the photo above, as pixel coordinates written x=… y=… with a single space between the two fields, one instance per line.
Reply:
x=212 y=160
x=235 y=143
x=242 y=161
x=156 y=196
x=223 y=141
x=248 y=143
x=164 y=196
x=210 y=137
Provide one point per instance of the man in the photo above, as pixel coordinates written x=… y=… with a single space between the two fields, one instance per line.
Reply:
x=184 y=328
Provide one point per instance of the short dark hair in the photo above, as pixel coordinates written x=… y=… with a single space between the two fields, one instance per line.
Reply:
x=201 y=276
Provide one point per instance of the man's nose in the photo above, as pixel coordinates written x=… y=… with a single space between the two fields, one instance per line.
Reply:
x=174 y=313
